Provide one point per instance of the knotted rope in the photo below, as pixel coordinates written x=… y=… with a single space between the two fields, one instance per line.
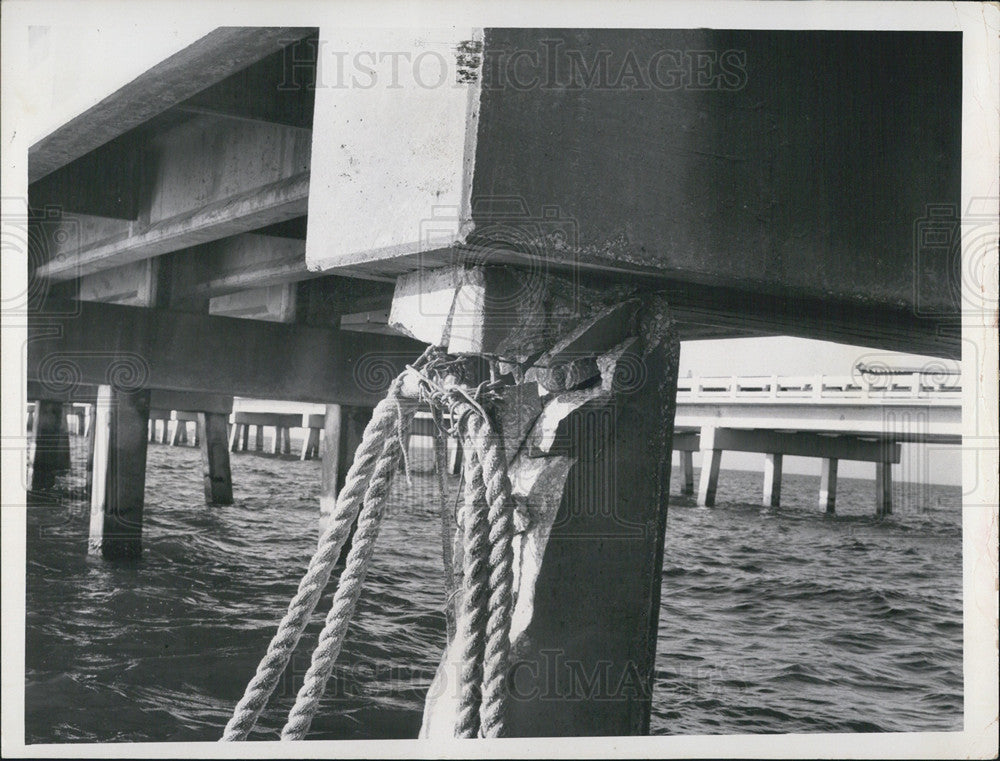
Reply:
x=486 y=528
x=487 y=525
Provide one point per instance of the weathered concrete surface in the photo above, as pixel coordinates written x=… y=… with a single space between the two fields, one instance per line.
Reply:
x=590 y=482
x=776 y=162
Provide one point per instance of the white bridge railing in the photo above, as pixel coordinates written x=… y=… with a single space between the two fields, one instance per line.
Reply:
x=930 y=388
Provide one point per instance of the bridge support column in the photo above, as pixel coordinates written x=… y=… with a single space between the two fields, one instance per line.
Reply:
x=589 y=443
x=50 y=434
x=313 y=424
x=710 y=461
x=79 y=414
x=119 y=478
x=180 y=432
x=406 y=450
x=310 y=444
x=343 y=428
x=687 y=471
x=91 y=438
x=454 y=457
x=883 y=489
x=258 y=442
x=772 y=479
x=217 y=474
x=828 y=485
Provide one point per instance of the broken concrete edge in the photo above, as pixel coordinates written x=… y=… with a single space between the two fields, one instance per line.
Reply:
x=620 y=338
x=501 y=311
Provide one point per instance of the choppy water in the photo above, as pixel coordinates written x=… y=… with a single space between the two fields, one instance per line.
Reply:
x=772 y=620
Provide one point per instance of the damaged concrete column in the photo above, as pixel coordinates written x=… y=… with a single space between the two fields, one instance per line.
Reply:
x=587 y=429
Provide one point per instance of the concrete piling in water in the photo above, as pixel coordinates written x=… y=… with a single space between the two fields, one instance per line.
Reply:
x=313 y=425
x=50 y=436
x=711 y=458
x=454 y=457
x=772 y=479
x=79 y=414
x=687 y=472
x=216 y=471
x=344 y=426
x=179 y=433
x=883 y=489
x=91 y=437
x=828 y=485
x=119 y=472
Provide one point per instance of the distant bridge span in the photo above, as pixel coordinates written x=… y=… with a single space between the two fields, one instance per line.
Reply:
x=831 y=417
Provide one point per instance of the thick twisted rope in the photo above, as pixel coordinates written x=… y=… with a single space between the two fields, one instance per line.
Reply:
x=472 y=617
x=488 y=451
x=486 y=528
x=447 y=531
x=331 y=639
x=488 y=508
x=369 y=453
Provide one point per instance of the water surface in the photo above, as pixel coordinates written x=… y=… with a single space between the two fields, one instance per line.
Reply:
x=772 y=620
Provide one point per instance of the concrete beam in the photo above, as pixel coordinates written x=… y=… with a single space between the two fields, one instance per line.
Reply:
x=849 y=417
x=773 y=186
x=275 y=419
x=273 y=303
x=792 y=443
x=201 y=188
x=146 y=348
x=243 y=211
x=363 y=174
x=211 y=59
x=132 y=284
x=238 y=263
